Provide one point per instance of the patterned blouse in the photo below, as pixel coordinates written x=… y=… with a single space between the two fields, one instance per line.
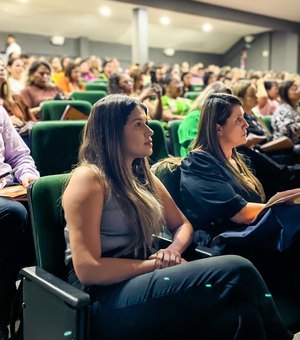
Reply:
x=285 y=122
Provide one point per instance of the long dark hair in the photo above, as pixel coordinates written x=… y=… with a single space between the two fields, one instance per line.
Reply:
x=217 y=109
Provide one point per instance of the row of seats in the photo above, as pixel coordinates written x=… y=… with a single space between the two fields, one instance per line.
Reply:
x=45 y=284
x=55 y=144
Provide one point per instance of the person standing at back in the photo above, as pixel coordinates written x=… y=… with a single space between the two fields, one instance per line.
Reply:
x=13 y=49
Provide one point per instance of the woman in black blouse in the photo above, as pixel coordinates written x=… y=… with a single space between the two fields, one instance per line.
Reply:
x=220 y=194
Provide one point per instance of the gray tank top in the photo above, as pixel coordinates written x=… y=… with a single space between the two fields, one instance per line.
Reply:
x=114 y=232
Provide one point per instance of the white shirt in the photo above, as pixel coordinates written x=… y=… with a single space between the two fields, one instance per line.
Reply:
x=13 y=48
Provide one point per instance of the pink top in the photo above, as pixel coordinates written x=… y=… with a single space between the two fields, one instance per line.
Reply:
x=268 y=108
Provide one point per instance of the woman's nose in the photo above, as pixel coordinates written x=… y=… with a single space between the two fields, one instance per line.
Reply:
x=246 y=125
x=149 y=131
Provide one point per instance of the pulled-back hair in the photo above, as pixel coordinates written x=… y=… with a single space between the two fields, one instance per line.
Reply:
x=216 y=110
x=113 y=83
x=102 y=150
x=216 y=87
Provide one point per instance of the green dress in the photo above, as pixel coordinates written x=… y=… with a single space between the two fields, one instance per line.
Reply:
x=187 y=131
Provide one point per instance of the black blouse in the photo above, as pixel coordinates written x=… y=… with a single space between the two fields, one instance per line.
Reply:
x=211 y=194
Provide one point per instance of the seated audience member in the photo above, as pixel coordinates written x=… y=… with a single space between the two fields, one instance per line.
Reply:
x=208 y=78
x=85 y=72
x=267 y=96
x=286 y=118
x=13 y=106
x=65 y=60
x=15 y=247
x=95 y=65
x=197 y=72
x=71 y=81
x=174 y=106
x=135 y=290
x=56 y=68
x=39 y=88
x=188 y=128
x=122 y=83
x=16 y=69
x=247 y=93
x=274 y=176
x=136 y=76
x=186 y=79
x=108 y=69
x=222 y=196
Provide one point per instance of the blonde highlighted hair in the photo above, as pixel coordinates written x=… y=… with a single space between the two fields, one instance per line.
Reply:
x=102 y=150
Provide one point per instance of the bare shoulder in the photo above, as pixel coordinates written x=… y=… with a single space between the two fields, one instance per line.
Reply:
x=161 y=189
x=83 y=183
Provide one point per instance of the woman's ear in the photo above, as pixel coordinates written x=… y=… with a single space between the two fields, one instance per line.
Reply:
x=219 y=130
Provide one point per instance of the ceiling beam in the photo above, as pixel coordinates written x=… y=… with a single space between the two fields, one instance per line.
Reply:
x=218 y=12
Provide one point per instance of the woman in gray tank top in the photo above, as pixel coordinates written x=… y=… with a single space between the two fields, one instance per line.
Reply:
x=113 y=205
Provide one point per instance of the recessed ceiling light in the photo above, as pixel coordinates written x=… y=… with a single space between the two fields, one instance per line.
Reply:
x=165 y=21
x=207 y=27
x=105 y=11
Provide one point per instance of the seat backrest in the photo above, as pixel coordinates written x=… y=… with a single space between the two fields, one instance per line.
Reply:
x=96 y=87
x=44 y=198
x=168 y=171
x=90 y=96
x=99 y=80
x=55 y=145
x=160 y=150
x=174 y=140
x=196 y=87
x=53 y=109
x=192 y=95
x=267 y=120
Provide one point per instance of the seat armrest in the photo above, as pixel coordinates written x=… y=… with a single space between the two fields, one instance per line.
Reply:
x=71 y=295
x=206 y=252
x=194 y=252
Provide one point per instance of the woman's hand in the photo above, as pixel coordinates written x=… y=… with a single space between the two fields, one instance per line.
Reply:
x=284 y=196
x=154 y=90
x=26 y=181
x=166 y=258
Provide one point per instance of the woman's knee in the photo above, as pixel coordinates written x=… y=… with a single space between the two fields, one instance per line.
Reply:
x=13 y=210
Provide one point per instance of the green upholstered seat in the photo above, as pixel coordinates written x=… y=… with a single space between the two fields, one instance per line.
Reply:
x=192 y=95
x=54 y=308
x=160 y=150
x=53 y=109
x=99 y=80
x=267 y=120
x=96 y=87
x=196 y=87
x=55 y=145
x=48 y=223
x=90 y=96
x=174 y=140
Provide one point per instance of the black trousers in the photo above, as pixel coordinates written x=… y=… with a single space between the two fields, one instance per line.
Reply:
x=15 y=250
x=215 y=298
